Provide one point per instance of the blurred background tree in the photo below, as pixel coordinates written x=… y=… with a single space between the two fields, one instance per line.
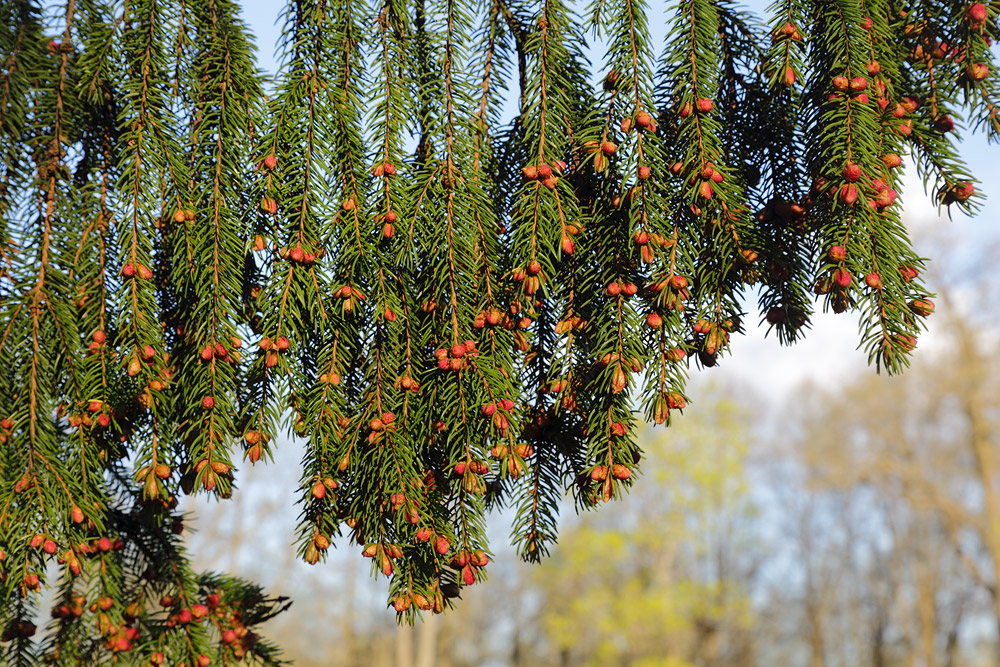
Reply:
x=664 y=579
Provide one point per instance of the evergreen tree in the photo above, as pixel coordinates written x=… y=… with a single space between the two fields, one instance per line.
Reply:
x=454 y=312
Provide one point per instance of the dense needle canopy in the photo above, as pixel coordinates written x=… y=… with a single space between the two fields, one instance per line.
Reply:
x=454 y=312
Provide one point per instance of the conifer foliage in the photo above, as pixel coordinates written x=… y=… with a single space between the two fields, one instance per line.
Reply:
x=455 y=312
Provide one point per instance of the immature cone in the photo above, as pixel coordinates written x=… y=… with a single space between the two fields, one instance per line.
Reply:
x=611 y=80
x=852 y=173
x=567 y=245
x=620 y=471
x=944 y=124
x=619 y=380
x=977 y=72
x=977 y=14
x=849 y=194
x=787 y=30
x=676 y=401
x=909 y=273
x=922 y=307
x=891 y=160
x=964 y=191
x=442 y=546
x=909 y=104
x=600 y=163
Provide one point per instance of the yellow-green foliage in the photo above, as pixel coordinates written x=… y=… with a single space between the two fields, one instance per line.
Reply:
x=637 y=580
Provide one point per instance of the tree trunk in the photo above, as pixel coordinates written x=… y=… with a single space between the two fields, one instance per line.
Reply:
x=972 y=392
x=926 y=616
x=427 y=641
x=347 y=647
x=816 y=650
x=404 y=645
x=951 y=647
x=878 y=643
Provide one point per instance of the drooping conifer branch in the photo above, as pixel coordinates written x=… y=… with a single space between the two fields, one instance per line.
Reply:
x=454 y=313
